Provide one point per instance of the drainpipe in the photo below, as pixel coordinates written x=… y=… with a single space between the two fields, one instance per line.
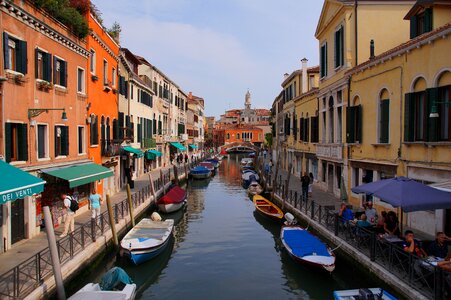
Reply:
x=355 y=29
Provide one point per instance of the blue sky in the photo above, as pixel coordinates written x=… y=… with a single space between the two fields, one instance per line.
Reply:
x=219 y=49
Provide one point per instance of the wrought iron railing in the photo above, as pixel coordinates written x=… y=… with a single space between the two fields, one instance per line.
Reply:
x=110 y=147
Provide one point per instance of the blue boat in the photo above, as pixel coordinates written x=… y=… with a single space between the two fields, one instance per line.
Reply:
x=200 y=172
x=214 y=161
x=364 y=293
x=146 y=240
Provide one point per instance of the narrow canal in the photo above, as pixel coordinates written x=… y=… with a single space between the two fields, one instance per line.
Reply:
x=223 y=249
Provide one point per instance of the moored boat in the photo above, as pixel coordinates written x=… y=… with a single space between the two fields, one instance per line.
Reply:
x=306 y=248
x=213 y=161
x=247 y=161
x=248 y=177
x=200 y=172
x=267 y=208
x=254 y=188
x=147 y=239
x=208 y=165
x=115 y=284
x=174 y=200
x=363 y=293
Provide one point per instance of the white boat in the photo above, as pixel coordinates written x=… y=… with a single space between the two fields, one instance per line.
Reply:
x=115 y=285
x=174 y=200
x=365 y=293
x=147 y=239
x=254 y=188
x=247 y=161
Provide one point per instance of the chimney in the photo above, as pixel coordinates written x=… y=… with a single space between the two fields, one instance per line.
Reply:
x=304 y=76
x=285 y=76
x=190 y=95
x=371 y=49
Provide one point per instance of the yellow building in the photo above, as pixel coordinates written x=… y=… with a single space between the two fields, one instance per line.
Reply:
x=344 y=32
x=398 y=108
x=300 y=111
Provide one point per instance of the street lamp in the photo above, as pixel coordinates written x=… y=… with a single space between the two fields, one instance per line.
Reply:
x=34 y=112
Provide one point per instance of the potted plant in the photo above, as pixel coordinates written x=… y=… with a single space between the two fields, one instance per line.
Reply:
x=94 y=77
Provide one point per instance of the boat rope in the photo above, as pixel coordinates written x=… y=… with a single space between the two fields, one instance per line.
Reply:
x=337 y=247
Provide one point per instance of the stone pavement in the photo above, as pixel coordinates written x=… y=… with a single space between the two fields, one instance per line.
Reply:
x=25 y=249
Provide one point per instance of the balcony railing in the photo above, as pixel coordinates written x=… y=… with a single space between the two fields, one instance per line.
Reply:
x=110 y=147
x=148 y=143
x=334 y=151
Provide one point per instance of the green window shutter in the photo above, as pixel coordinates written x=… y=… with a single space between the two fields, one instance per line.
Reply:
x=160 y=129
x=154 y=126
x=54 y=67
x=5 y=51
x=139 y=133
x=413 y=27
x=336 y=48
x=96 y=131
x=341 y=46
x=22 y=57
x=127 y=126
x=431 y=99
x=102 y=133
x=108 y=132
x=55 y=139
x=358 y=124
x=325 y=59
x=64 y=140
x=115 y=130
x=384 y=121
x=409 y=117
x=121 y=125
x=306 y=129
x=8 y=141
x=36 y=62
x=63 y=73
x=350 y=124
x=47 y=67
x=22 y=144
x=427 y=24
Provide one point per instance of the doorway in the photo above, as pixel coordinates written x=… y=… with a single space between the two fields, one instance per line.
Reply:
x=17 y=221
x=330 y=178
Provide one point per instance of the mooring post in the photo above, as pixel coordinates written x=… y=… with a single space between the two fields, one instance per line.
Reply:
x=186 y=172
x=130 y=205
x=152 y=187
x=54 y=254
x=176 y=175
x=112 y=223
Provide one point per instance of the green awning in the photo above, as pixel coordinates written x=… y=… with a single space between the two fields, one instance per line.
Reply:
x=17 y=184
x=153 y=154
x=81 y=174
x=135 y=151
x=192 y=146
x=178 y=146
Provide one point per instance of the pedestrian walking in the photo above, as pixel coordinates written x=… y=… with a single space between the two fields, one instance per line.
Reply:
x=95 y=201
x=305 y=181
x=70 y=206
x=264 y=154
x=186 y=158
x=310 y=186
x=270 y=164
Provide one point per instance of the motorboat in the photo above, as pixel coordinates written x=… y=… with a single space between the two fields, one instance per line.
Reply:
x=174 y=200
x=267 y=208
x=114 y=285
x=147 y=239
x=249 y=177
x=254 y=188
x=247 y=161
x=364 y=293
x=210 y=166
x=306 y=248
x=214 y=161
x=200 y=172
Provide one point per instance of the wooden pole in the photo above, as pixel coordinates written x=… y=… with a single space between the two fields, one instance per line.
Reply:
x=54 y=254
x=112 y=223
x=152 y=188
x=176 y=175
x=290 y=167
x=130 y=205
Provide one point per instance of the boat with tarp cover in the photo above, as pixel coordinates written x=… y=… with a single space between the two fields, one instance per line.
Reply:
x=174 y=200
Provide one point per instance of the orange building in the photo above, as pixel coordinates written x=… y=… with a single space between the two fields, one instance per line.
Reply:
x=243 y=133
x=42 y=77
x=102 y=104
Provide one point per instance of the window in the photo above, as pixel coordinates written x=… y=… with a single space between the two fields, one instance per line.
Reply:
x=131 y=91
x=384 y=120
x=14 y=54
x=61 y=141
x=105 y=72
x=444 y=113
x=421 y=23
x=16 y=142
x=338 y=50
x=60 y=76
x=237 y=136
x=80 y=80
x=43 y=65
x=113 y=77
x=123 y=86
x=354 y=124
x=355 y=177
x=323 y=60
x=314 y=122
x=92 y=65
x=94 y=130
x=42 y=132
x=81 y=140
x=228 y=136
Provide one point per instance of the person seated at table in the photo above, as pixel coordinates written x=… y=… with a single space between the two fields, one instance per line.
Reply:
x=371 y=212
x=391 y=225
x=345 y=213
x=446 y=266
x=381 y=222
x=412 y=246
x=439 y=248
x=363 y=222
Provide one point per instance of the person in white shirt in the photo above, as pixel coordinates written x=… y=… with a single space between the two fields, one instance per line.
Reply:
x=371 y=213
x=70 y=215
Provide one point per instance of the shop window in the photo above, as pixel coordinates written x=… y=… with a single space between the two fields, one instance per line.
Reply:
x=43 y=65
x=14 y=54
x=60 y=67
x=61 y=141
x=42 y=141
x=16 y=142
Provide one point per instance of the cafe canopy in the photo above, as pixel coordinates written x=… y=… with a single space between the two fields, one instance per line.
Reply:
x=16 y=184
x=80 y=174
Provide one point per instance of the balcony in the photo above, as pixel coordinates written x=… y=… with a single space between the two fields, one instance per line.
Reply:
x=148 y=143
x=110 y=147
x=333 y=151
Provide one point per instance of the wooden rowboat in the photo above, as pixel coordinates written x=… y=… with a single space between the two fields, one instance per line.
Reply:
x=267 y=208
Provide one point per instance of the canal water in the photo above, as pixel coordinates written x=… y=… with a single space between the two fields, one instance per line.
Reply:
x=223 y=249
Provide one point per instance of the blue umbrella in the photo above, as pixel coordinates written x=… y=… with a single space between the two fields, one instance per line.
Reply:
x=407 y=194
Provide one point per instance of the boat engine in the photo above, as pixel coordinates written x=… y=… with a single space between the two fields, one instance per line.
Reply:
x=366 y=294
x=290 y=219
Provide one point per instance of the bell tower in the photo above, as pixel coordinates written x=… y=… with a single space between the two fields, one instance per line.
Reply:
x=247 y=102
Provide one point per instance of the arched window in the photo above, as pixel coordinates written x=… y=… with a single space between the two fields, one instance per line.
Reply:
x=237 y=136
x=416 y=112
x=228 y=136
x=443 y=106
x=94 y=130
x=384 y=117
